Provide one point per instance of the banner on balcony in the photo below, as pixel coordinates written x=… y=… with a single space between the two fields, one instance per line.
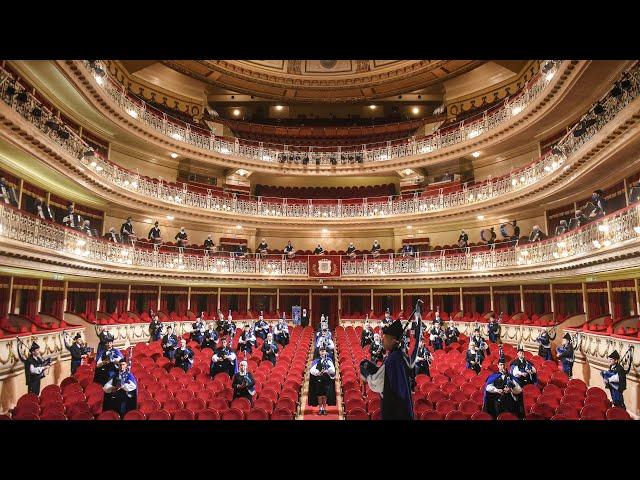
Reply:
x=324 y=266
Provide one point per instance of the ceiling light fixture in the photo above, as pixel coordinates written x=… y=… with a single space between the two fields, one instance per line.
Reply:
x=415 y=110
x=278 y=108
x=480 y=217
x=173 y=155
x=236 y=112
x=475 y=154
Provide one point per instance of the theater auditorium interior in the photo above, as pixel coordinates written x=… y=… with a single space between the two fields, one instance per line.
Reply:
x=322 y=240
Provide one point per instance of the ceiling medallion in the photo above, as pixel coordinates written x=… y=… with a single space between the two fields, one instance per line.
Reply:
x=328 y=64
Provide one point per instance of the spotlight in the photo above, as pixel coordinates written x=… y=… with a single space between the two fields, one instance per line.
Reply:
x=475 y=154
x=173 y=155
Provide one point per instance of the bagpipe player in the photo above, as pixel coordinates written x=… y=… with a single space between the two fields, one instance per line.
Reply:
x=523 y=370
x=243 y=383
x=615 y=379
x=121 y=391
x=322 y=382
x=35 y=368
x=566 y=355
x=503 y=393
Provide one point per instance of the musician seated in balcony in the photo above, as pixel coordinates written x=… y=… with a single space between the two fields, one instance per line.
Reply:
x=4 y=190
x=261 y=328
x=366 y=337
x=127 y=234
x=78 y=351
x=492 y=237
x=270 y=350
x=289 y=251
x=121 y=391
x=263 y=248
x=72 y=219
x=209 y=246
x=563 y=227
x=437 y=337
x=155 y=329
x=38 y=209
x=579 y=220
x=184 y=356
x=451 y=333
x=479 y=341
x=240 y=251
x=407 y=250
x=565 y=355
x=197 y=329
x=474 y=358
x=247 y=341
x=463 y=239
x=86 y=227
x=322 y=382
x=516 y=232
x=181 y=239
x=523 y=369
x=243 y=383
x=351 y=251
x=597 y=197
x=493 y=329
x=423 y=359
x=106 y=364
x=112 y=236
x=281 y=331
x=536 y=234
x=544 y=350
x=169 y=343
x=224 y=360
x=210 y=337
x=376 y=350
x=319 y=250
x=375 y=249
x=155 y=235
x=615 y=379
x=503 y=393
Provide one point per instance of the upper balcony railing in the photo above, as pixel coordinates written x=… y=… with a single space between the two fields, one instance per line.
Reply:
x=196 y=136
x=606 y=232
x=32 y=109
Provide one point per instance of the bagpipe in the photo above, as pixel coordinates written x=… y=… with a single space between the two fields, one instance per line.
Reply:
x=46 y=361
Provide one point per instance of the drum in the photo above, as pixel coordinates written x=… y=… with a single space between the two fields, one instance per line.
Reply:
x=486 y=234
x=588 y=210
x=507 y=230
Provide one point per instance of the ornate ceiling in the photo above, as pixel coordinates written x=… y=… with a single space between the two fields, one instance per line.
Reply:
x=322 y=80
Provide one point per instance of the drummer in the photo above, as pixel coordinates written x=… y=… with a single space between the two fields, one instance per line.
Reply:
x=127 y=233
x=510 y=231
x=155 y=236
x=488 y=235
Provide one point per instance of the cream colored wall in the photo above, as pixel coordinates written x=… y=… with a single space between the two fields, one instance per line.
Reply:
x=499 y=165
x=147 y=168
x=483 y=77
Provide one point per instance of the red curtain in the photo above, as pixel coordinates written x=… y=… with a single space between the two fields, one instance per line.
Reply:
x=529 y=304
x=212 y=304
x=90 y=304
x=598 y=304
x=164 y=303
x=181 y=304
x=567 y=303
x=56 y=305
x=378 y=305
x=4 y=301
x=395 y=299
x=224 y=303
x=32 y=303
x=121 y=303
x=469 y=303
x=242 y=304
x=617 y=305
x=438 y=303
x=316 y=311
x=288 y=301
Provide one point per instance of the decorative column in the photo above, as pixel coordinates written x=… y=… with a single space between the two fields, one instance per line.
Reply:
x=8 y=309
x=430 y=298
x=159 y=295
x=626 y=192
x=585 y=301
x=339 y=303
x=277 y=299
x=65 y=296
x=552 y=294
x=546 y=223
x=491 y=297
x=402 y=299
x=635 y=281
x=610 y=298
x=248 y=298
x=461 y=301
x=521 y=298
x=21 y=189
x=39 y=302
x=189 y=298
x=310 y=305
x=98 y=297
x=371 y=308
x=129 y=298
x=219 y=293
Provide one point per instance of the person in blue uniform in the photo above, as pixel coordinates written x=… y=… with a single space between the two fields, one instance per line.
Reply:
x=155 y=329
x=78 y=351
x=423 y=359
x=493 y=329
x=243 y=383
x=35 y=368
x=104 y=336
x=121 y=391
x=392 y=379
x=261 y=328
x=503 y=393
x=224 y=360
x=169 y=343
x=107 y=364
x=475 y=357
x=210 y=337
x=451 y=333
x=247 y=340
x=281 y=332
x=322 y=382
x=407 y=251
x=183 y=356
x=565 y=355
x=523 y=370
x=366 y=337
x=544 y=350
x=387 y=320
x=479 y=342
x=324 y=341
x=376 y=350
x=615 y=379
x=437 y=337
x=270 y=350
x=198 y=327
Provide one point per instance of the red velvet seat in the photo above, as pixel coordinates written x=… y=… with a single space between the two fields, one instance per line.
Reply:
x=108 y=415
x=592 y=412
x=617 y=413
x=507 y=416
x=432 y=415
x=183 y=414
x=281 y=415
x=159 y=415
x=456 y=415
x=134 y=415
x=232 y=414
x=208 y=414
